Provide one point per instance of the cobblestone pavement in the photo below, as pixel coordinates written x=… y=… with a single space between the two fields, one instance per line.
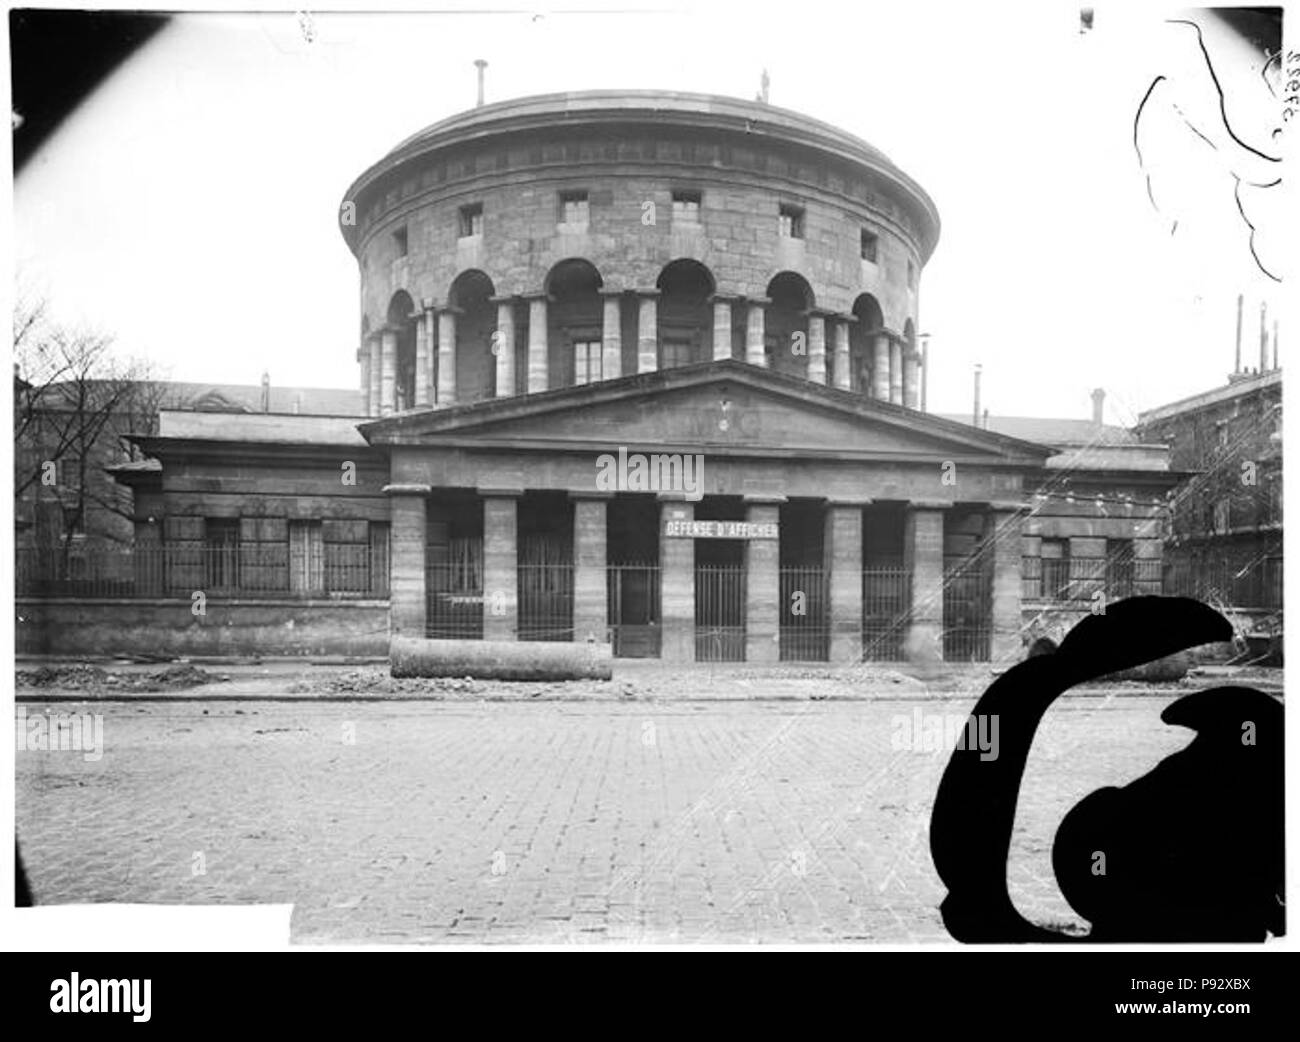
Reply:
x=546 y=822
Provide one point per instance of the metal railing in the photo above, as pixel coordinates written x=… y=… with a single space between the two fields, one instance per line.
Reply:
x=250 y=570
x=632 y=601
x=1256 y=586
x=1077 y=580
x=967 y=609
x=886 y=611
x=805 y=614
x=546 y=601
x=720 y=613
x=454 y=600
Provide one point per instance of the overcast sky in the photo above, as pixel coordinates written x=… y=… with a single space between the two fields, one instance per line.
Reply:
x=189 y=206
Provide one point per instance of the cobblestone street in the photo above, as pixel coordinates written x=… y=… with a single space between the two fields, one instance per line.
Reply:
x=548 y=822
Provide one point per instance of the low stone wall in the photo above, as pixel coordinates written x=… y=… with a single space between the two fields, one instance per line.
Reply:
x=169 y=627
x=500 y=659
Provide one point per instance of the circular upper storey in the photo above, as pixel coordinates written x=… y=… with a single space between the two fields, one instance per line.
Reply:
x=630 y=181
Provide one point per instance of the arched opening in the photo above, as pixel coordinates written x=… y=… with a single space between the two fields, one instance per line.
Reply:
x=476 y=372
x=862 y=341
x=786 y=323
x=685 y=313
x=574 y=323
x=401 y=317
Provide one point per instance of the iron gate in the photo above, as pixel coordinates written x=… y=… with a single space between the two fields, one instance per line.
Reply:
x=966 y=609
x=805 y=615
x=632 y=592
x=546 y=601
x=454 y=598
x=719 y=613
x=886 y=609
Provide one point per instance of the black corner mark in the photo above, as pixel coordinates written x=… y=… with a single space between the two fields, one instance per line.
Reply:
x=1191 y=851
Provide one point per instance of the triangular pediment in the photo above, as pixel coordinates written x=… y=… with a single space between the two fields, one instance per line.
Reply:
x=723 y=407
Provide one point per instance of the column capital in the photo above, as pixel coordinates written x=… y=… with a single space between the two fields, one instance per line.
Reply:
x=502 y=492
x=764 y=499
x=1008 y=506
x=536 y=295
x=386 y=329
x=449 y=309
x=724 y=298
x=611 y=291
x=674 y=497
x=590 y=493
x=508 y=298
x=761 y=302
x=930 y=504
x=655 y=292
x=848 y=501
x=407 y=490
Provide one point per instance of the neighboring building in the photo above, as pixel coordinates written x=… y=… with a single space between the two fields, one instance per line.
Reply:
x=1093 y=532
x=566 y=301
x=1224 y=534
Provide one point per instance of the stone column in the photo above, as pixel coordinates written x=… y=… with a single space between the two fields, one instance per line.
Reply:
x=843 y=368
x=503 y=346
x=911 y=378
x=500 y=563
x=375 y=347
x=923 y=557
x=423 y=344
x=590 y=600
x=363 y=359
x=647 y=331
x=428 y=378
x=817 y=349
x=611 y=336
x=447 y=356
x=538 y=359
x=1006 y=529
x=388 y=372
x=721 y=328
x=896 y=373
x=406 y=580
x=763 y=605
x=676 y=584
x=842 y=545
x=880 y=368
x=755 y=334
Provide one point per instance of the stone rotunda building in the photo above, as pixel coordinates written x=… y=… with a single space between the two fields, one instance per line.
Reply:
x=551 y=279
x=635 y=367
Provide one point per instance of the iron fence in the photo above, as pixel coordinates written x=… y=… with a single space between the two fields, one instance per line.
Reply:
x=632 y=592
x=546 y=601
x=249 y=570
x=1255 y=586
x=1077 y=580
x=886 y=609
x=454 y=600
x=720 y=613
x=805 y=614
x=967 y=629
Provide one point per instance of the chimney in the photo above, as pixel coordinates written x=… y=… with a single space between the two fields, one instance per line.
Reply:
x=1276 y=363
x=480 y=64
x=1263 y=337
x=1237 y=366
x=266 y=392
x=985 y=424
x=1098 y=405
x=975 y=415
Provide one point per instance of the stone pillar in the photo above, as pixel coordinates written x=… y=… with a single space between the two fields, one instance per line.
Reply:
x=388 y=371
x=763 y=605
x=896 y=373
x=406 y=603
x=923 y=557
x=647 y=331
x=611 y=336
x=817 y=349
x=590 y=600
x=1006 y=529
x=843 y=368
x=755 y=334
x=721 y=328
x=880 y=368
x=423 y=345
x=447 y=356
x=676 y=585
x=375 y=347
x=503 y=346
x=538 y=359
x=428 y=378
x=363 y=358
x=842 y=545
x=147 y=554
x=911 y=378
x=500 y=564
